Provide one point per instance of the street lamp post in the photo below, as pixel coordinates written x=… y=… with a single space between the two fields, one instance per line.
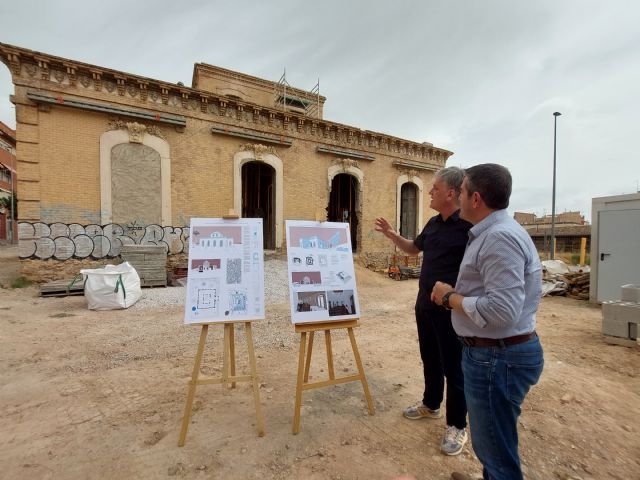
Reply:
x=553 y=195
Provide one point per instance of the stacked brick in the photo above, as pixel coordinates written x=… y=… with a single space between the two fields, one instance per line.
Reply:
x=150 y=262
x=620 y=319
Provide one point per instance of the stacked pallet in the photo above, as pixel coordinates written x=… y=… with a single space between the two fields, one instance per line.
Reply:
x=150 y=261
x=577 y=285
x=63 y=288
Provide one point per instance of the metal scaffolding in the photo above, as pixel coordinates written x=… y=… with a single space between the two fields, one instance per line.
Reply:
x=285 y=98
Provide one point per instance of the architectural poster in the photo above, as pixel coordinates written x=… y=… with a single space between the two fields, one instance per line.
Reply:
x=322 y=281
x=225 y=279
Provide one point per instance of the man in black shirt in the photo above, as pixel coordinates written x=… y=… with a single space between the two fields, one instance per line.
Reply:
x=442 y=241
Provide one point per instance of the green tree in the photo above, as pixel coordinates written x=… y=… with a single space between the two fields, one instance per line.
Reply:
x=6 y=203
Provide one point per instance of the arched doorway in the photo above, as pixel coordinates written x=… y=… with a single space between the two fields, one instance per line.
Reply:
x=408 y=210
x=258 y=198
x=343 y=204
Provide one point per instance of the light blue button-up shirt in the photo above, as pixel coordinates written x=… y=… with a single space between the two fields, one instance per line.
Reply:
x=500 y=278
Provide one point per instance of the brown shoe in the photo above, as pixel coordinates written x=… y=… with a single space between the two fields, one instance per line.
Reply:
x=463 y=476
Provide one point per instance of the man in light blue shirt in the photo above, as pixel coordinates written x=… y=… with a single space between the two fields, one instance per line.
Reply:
x=494 y=314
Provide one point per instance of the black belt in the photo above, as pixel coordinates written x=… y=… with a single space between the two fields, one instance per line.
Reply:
x=497 y=342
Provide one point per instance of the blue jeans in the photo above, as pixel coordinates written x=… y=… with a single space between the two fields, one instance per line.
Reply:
x=496 y=380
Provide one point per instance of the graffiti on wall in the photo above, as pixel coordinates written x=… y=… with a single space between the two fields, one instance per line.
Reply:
x=62 y=241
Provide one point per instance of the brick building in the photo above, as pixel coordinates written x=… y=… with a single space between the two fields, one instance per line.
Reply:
x=570 y=229
x=108 y=158
x=7 y=183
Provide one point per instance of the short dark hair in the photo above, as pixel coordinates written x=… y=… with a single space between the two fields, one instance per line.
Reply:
x=492 y=182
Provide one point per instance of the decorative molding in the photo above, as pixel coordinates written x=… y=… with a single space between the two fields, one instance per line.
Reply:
x=344 y=153
x=140 y=114
x=97 y=80
x=136 y=130
x=14 y=61
x=405 y=165
x=71 y=73
x=31 y=69
x=258 y=149
x=58 y=75
x=252 y=135
x=346 y=164
x=40 y=66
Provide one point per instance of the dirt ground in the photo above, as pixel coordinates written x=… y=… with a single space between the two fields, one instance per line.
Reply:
x=88 y=395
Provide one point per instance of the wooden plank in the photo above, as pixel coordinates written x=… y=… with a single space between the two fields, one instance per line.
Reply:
x=62 y=294
x=142 y=249
x=335 y=381
x=62 y=288
x=132 y=257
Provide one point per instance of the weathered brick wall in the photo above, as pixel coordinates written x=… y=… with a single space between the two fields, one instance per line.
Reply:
x=58 y=150
x=41 y=271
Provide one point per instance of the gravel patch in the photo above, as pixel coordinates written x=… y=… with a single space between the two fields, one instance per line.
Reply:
x=276 y=289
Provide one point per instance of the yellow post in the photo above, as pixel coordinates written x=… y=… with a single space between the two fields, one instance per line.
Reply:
x=583 y=249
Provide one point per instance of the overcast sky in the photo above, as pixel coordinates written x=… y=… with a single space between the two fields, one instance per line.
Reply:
x=479 y=78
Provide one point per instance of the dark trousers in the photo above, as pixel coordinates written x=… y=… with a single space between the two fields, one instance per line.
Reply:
x=441 y=354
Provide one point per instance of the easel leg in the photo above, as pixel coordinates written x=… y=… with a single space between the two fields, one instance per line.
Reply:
x=296 y=414
x=232 y=352
x=363 y=379
x=327 y=342
x=192 y=386
x=308 y=362
x=254 y=378
x=225 y=355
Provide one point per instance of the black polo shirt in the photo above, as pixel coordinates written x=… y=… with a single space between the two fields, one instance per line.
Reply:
x=442 y=243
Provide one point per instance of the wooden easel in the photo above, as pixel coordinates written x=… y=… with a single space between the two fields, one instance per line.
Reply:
x=304 y=364
x=229 y=376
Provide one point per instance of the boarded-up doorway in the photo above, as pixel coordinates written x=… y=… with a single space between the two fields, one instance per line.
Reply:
x=408 y=210
x=136 y=191
x=258 y=198
x=343 y=204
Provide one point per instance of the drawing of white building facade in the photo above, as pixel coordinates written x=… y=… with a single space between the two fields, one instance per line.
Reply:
x=216 y=239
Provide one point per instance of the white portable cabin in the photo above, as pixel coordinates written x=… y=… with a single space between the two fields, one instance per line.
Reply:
x=615 y=245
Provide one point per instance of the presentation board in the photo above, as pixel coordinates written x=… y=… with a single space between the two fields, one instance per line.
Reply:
x=322 y=281
x=225 y=280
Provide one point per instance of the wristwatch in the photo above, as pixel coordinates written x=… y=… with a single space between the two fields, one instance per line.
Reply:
x=445 y=299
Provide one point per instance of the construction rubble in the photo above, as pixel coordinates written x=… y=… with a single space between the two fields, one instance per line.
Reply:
x=572 y=281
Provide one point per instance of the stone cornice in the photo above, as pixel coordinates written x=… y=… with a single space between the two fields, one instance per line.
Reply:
x=97 y=107
x=57 y=74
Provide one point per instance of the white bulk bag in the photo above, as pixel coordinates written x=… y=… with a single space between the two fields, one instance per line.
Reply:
x=111 y=287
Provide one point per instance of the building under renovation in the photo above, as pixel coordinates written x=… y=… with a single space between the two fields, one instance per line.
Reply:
x=108 y=158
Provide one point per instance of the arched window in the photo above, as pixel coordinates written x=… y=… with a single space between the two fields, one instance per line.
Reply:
x=408 y=210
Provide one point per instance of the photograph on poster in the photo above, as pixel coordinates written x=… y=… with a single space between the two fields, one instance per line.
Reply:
x=225 y=280
x=311 y=302
x=319 y=255
x=306 y=278
x=341 y=302
x=205 y=264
